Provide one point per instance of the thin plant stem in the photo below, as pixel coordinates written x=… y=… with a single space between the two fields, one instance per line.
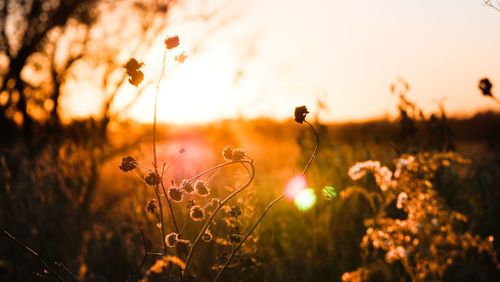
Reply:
x=156 y=103
x=162 y=229
x=213 y=175
x=269 y=206
x=143 y=258
x=184 y=224
x=63 y=267
x=192 y=179
x=144 y=167
x=216 y=211
x=171 y=208
x=495 y=99
x=155 y=163
x=31 y=251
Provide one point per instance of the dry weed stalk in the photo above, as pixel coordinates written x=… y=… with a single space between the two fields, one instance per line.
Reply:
x=194 y=187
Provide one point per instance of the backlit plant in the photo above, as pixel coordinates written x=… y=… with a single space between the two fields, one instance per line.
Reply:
x=424 y=236
x=193 y=196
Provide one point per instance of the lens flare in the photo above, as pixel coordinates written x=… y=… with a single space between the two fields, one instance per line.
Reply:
x=305 y=199
x=329 y=193
x=294 y=186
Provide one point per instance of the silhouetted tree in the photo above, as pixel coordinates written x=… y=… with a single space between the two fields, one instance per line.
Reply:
x=42 y=42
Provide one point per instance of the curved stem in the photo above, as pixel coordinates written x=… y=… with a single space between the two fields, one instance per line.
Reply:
x=269 y=206
x=214 y=168
x=156 y=103
x=216 y=211
x=315 y=148
x=155 y=162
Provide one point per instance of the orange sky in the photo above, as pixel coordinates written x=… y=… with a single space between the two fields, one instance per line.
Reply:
x=289 y=52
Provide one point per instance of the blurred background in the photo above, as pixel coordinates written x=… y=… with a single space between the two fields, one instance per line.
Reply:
x=381 y=79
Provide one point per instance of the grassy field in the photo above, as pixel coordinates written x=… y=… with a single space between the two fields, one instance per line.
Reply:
x=433 y=218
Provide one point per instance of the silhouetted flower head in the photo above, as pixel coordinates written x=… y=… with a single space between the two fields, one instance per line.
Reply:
x=485 y=86
x=233 y=155
x=235 y=238
x=207 y=236
x=235 y=211
x=172 y=239
x=151 y=206
x=187 y=186
x=201 y=188
x=215 y=203
x=172 y=42
x=300 y=114
x=227 y=153
x=132 y=70
x=175 y=193
x=152 y=179
x=127 y=164
x=238 y=154
x=181 y=57
x=136 y=79
x=196 y=213
x=132 y=65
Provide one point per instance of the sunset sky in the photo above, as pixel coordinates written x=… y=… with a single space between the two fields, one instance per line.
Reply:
x=273 y=55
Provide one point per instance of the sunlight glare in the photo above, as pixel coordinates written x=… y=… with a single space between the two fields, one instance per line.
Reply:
x=305 y=199
x=294 y=186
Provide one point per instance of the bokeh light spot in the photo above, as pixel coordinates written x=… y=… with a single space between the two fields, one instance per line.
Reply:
x=305 y=199
x=329 y=193
x=294 y=186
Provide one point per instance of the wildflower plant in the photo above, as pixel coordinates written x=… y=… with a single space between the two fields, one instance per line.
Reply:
x=426 y=238
x=178 y=247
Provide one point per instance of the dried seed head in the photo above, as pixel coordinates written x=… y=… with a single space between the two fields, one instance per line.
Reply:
x=151 y=206
x=181 y=57
x=128 y=164
x=132 y=69
x=201 y=188
x=172 y=42
x=175 y=193
x=197 y=213
x=485 y=87
x=132 y=65
x=300 y=114
x=187 y=186
x=215 y=203
x=238 y=154
x=136 y=78
x=172 y=239
x=235 y=211
x=235 y=238
x=227 y=153
x=152 y=179
x=207 y=236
